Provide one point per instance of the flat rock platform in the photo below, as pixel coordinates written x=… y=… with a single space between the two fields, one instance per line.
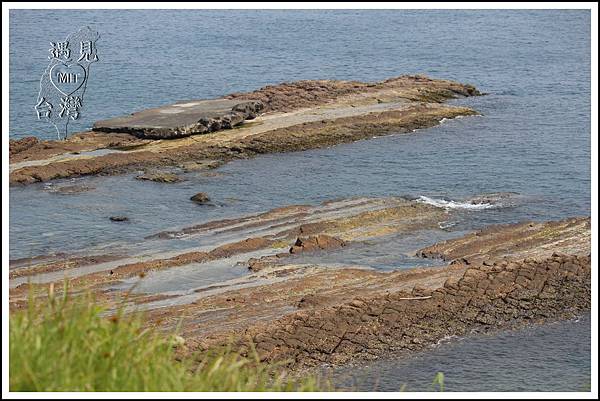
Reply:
x=183 y=118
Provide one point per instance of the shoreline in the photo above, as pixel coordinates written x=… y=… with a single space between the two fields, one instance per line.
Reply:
x=314 y=313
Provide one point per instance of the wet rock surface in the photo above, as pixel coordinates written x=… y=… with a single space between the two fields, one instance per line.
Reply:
x=346 y=220
x=258 y=264
x=57 y=263
x=495 y=198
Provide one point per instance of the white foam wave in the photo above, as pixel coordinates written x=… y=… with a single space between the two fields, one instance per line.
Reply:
x=450 y=204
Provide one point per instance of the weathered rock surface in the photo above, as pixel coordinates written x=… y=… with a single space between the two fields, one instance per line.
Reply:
x=522 y=240
x=300 y=116
x=484 y=298
x=302 y=244
x=308 y=93
x=57 y=263
x=315 y=243
x=183 y=119
x=342 y=314
x=258 y=264
x=27 y=150
x=344 y=219
x=20 y=145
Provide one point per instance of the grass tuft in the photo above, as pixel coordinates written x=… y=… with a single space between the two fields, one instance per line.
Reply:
x=75 y=345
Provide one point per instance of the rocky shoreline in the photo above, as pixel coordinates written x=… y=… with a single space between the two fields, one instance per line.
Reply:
x=310 y=314
x=295 y=116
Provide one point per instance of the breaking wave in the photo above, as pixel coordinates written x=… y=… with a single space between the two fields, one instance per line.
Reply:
x=450 y=204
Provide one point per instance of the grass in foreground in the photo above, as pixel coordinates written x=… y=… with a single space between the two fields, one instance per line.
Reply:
x=67 y=345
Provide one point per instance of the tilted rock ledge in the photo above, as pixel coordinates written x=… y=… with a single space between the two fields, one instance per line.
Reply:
x=309 y=314
x=296 y=116
x=333 y=316
x=486 y=297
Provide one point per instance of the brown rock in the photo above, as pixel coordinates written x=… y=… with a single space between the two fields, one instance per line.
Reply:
x=451 y=283
x=421 y=291
x=200 y=198
x=327 y=331
x=317 y=242
x=476 y=274
x=524 y=241
x=19 y=145
x=258 y=264
x=244 y=246
x=312 y=300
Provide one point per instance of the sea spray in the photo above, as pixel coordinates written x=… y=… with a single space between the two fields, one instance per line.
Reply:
x=450 y=204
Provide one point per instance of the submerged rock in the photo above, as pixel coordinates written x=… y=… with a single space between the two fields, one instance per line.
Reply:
x=68 y=189
x=494 y=198
x=167 y=178
x=200 y=165
x=200 y=198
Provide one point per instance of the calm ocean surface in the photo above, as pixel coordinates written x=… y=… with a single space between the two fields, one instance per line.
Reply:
x=533 y=138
